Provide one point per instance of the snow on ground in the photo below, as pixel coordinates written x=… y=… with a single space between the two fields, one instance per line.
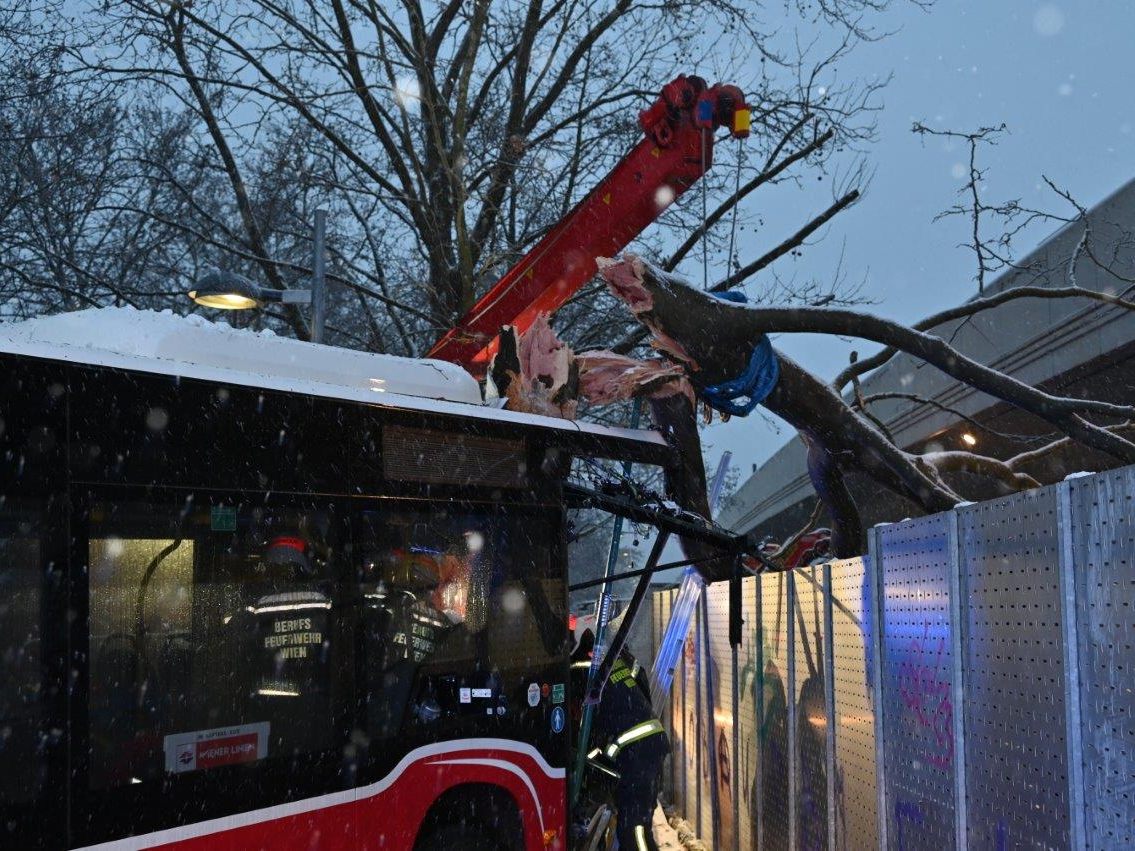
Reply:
x=678 y=831
x=664 y=835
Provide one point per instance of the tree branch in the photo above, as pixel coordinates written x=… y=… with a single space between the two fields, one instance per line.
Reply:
x=795 y=241
x=976 y=305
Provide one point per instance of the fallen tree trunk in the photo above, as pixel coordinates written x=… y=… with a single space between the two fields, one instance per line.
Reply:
x=705 y=341
x=714 y=339
x=715 y=345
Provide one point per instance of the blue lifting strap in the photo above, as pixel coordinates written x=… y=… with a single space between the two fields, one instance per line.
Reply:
x=753 y=385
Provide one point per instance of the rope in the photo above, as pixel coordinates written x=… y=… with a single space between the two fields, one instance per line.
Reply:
x=737 y=397
x=704 y=218
x=736 y=204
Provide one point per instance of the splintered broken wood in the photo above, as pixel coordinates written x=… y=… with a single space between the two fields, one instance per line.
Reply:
x=606 y=377
x=536 y=372
x=705 y=334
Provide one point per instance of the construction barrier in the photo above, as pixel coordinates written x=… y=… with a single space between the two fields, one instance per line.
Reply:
x=1002 y=714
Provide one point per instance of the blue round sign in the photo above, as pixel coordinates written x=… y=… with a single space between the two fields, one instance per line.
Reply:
x=558 y=719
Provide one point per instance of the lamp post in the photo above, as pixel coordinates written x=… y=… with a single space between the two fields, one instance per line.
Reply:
x=225 y=290
x=318 y=280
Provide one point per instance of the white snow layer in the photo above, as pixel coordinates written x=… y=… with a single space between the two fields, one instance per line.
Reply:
x=193 y=347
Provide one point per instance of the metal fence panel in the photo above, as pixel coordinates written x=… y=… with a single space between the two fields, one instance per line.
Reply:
x=856 y=817
x=811 y=712
x=683 y=753
x=916 y=684
x=693 y=720
x=719 y=715
x=1014 y=673
x=968 y=656
x=695 y=695
x=773 y=712
x=745 y=764
x=710 y=674
x=1103 y=547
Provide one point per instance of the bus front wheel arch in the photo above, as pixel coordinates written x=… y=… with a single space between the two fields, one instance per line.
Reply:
x=473 y=816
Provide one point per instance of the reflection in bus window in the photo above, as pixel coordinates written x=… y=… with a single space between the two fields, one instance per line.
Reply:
x=452 y=602
x=21 y=672
x=210 y=636
x=422 y=578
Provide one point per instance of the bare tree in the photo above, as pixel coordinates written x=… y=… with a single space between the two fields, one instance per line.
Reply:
x=446 y=138
x=990 y=259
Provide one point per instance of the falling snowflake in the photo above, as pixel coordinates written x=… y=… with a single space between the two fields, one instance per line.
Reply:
x=1048 y=20
x=407 y=91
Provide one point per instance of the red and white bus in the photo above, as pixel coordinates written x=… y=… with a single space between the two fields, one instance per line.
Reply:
x=256 y=593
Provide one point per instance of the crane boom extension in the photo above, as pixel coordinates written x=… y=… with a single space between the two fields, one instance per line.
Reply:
x=677 y=150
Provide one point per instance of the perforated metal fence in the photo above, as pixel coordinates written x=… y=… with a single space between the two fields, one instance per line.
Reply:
x=969 y=683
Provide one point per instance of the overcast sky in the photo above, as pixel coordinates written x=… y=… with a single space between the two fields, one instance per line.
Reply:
x=1058 y=75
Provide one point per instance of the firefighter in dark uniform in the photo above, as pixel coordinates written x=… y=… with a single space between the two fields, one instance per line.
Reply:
x=403 y=628
x=629 y=741
x=282 y=645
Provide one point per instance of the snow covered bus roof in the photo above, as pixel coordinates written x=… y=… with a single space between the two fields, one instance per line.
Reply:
x=193 y=347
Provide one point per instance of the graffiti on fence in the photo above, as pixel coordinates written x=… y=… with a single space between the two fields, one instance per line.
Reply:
x=773 y=774
x=691 y=733
x=927 y=696
x=750 y=684
x=811 y=718
x=724 y=779
x=907 y=811
x=1002 y=835
x=811 y=743
x=719 y=723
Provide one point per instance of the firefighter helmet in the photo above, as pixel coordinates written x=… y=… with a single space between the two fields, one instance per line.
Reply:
x=289 y=554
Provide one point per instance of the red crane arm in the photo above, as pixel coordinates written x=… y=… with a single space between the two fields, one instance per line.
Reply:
x=656 y=171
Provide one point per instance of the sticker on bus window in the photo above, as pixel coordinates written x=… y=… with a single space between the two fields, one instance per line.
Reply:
x=558 y=719
x=222 y=518
x=558 y=693
x=201 y=749
x=533 y=694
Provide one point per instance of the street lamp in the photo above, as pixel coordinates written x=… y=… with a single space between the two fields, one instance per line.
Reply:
x=231 y=291
x=226 y=290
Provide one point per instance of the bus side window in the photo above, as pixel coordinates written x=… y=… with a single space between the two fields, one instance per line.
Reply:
x=21 y=663
x=211 y=638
